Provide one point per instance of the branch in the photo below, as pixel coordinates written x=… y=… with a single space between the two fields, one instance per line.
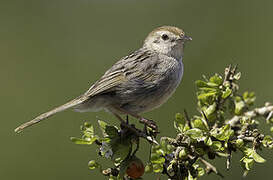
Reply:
x=266 y=111
x=210 y=167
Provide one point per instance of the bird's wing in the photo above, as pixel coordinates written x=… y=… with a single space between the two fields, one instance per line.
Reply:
x=119 y=73
x=106 y=83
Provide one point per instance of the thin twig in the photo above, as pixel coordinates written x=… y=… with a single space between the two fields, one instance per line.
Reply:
x=210 y=167
x=187 y=118
x=262 y=111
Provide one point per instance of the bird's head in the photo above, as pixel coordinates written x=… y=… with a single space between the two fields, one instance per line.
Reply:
x=167 y=40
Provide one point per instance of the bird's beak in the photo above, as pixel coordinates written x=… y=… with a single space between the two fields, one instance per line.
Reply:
x=187 y=38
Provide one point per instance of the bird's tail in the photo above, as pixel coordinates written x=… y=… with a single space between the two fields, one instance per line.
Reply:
x=43 y=116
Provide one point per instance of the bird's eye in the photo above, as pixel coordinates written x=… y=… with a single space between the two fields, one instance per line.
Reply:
x=165 y=37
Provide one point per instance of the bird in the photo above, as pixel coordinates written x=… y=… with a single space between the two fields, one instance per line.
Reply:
x=137 y=83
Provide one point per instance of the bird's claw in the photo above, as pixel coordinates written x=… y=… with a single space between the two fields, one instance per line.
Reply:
x=149 y=123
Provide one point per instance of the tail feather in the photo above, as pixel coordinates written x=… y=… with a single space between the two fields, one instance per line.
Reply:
x=43 y=116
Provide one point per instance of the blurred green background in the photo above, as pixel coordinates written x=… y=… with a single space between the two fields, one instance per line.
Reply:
x=53 y=50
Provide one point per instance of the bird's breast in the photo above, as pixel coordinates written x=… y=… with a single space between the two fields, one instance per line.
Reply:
x=151 y=95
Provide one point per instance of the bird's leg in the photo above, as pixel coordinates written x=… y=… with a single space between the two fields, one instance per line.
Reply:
x=127 y=119
x=149 y=123
x=138 y=132
x=118 y=116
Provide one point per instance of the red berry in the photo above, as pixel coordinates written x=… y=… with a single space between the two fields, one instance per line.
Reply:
x=135 y=169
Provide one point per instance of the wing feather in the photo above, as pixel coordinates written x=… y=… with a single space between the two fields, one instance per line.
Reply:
x=121 y=72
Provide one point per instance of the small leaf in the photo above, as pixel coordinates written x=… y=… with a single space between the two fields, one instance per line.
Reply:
x=157 y=168
x=198 y=123
x=216 y=146
x=179 y=122
x=194 y=133
x=158 y=160
x=149 y=168
x=257 y=157
x=204 y=96
x=248 y=163
x=83 y=141
x=268 y=141
x=237 y=76
x=182 y=154
x=249 y=97
x=201 y=171
x=239 y=143
x=93 y=164
x=217 y=79
x=200 y=83
x=208 y=89
x=251 y=153
x=123 y=166
x=120 y=149
x=111 y=131
x=226 y=93
x=239 y=106
x=223 y=133
x=88 y=130
x=102 y=125
x=208 y=141
x=210 y=110
x=111 y=177
x=190 y=176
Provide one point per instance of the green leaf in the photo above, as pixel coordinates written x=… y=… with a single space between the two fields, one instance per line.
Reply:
x=157 y=168
x=201 y=171
x=237 y=76
x=88 y=130
x=249 y=97
x=93 y=165
x=248 y=163
x=198 y=123
x=149 y=168
x=268 y=141
x=167 y=148
x=226 y=93
x=190 y=176
x=111 y=177
x=102 y=125
x=179 y=122
x=200 y=83
x=216 y=146
x=251 y=153
x=200 y=151
x=120 y=149
x=123 y=166
x=210 y=110
x=208 y=141
x=217 y=79
x=204 y=96
x=239 y=106
x=83 y=141
x=239 y=143
x=194 y=133
x=183 y=154
x=208 y=89
x=257 y=158
x=158 y=160
x=111 y=131
x=211 y=84
x=223 y=133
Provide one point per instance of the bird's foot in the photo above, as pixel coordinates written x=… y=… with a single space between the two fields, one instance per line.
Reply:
x=149 y=123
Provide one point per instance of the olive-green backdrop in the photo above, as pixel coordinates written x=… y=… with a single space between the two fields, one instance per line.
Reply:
x=53 y=50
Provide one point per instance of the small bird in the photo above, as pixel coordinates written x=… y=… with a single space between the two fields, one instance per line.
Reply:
x=137 y=83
